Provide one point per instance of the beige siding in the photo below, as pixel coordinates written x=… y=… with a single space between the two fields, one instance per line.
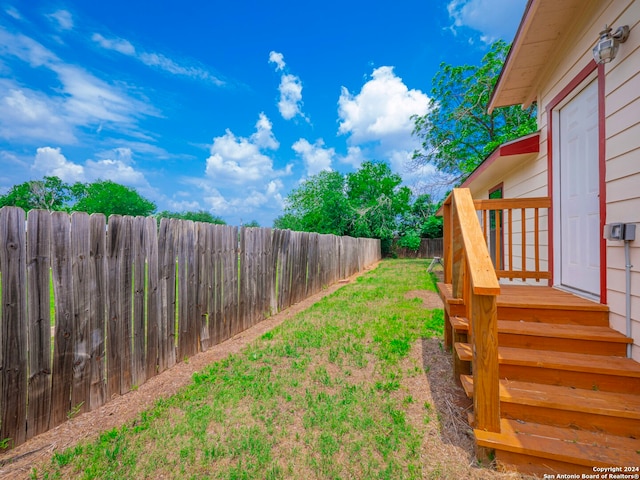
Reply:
x=622 y=104
x=622 y=91
x=622 y=114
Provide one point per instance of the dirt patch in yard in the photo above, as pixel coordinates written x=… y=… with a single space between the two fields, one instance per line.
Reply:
x=430 y=300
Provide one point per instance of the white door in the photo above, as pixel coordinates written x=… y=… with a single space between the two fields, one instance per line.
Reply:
x=579 y=193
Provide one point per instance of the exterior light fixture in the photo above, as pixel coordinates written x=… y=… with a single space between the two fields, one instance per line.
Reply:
x=607 y=47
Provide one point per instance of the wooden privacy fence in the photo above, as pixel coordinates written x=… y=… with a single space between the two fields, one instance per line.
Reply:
x=91 y=310
x=429 y=248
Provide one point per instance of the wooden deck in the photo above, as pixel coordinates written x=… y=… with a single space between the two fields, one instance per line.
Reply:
x=531 y=296
x=569 y=398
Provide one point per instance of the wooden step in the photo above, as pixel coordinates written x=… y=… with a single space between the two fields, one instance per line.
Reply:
x=577 y=370
x=554 y=315
x=577 y=451
x=549 y=305
x=453 y=306
x=460 y=324
x=535 y=304
x=596 y=340
x=615 y=413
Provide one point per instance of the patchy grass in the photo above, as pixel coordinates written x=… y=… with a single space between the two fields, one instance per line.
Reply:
x=332 y=393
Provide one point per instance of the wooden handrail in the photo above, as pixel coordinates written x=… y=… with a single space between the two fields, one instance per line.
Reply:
x=474 y=280
x=483 y=275
x=511 y=203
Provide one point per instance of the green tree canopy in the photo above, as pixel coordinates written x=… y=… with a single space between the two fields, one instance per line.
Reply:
x=367 y=203
x=457 y=133
x=110 y=198
x=50 y=193
x=420 y=220
x=378 y=200
x=318 y=205
x=197 y=216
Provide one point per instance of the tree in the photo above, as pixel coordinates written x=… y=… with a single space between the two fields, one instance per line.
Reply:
x=457 y=133
x=199 y=216
x=378 y=200
x=110 y=198
x=367 y=203
x=420 y=222
x=318 y=205
x=251 y=224
x=421 y=219
x=50 y=193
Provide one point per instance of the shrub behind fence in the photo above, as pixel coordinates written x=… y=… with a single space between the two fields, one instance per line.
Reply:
x=91 y=310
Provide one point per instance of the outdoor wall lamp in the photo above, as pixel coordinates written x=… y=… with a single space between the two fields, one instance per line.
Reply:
x=607 y=47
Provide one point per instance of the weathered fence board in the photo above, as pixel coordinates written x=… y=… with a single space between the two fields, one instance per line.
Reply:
x=39 y=315
x=61 y=272
x=13 y=271
x=153 y=297
x=167 y=258
x=125 y=286
x=97 y=319
x=81 y=301
x=114 y=331
x=138 y=250
x=124 y=289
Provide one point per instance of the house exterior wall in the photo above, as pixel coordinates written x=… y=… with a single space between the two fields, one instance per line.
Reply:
x=621 y=81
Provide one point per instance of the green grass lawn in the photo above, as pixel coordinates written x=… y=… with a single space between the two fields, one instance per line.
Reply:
x=324 y=395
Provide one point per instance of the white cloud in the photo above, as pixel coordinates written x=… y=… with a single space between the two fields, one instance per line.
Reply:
x=25 y=114
x=290 y=103
x=115 y=170
x=157 y=60
x=354 y=157
x=316 y=157
x=13 y=12
x=119 y=168
x=290 y=88
x=80 y=100
x=382 y=110
x=50 y=161
x=25 y=48
x=242 y=161
x=117 y=44
x=63 y=19
x=91 y=100
x=278 y=59
x=264 y=137
x=492 y=18
x=378 y=123
x=242 y=205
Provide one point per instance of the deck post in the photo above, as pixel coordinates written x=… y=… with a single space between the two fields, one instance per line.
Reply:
x=457 y=258
x=447 y=241
x=484 y=339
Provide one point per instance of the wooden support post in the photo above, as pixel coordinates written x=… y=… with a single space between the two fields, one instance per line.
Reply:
x=447 y=242
x=484 y=331
x=458 y=259
x=448 y=330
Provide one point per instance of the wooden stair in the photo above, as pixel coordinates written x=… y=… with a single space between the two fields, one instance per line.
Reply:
x=569 y=399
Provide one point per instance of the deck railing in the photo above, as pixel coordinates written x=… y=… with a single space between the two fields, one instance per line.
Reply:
x=512 y=228
x=469 y=268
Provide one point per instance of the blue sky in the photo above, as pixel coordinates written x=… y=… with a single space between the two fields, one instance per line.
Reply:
x=225 y=106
